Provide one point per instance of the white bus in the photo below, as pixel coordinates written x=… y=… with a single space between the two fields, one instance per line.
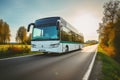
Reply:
x=54 y=34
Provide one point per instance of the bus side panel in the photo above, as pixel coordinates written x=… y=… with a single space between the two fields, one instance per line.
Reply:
x=70 y=46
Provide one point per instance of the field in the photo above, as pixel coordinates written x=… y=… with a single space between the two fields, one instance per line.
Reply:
x=12 y=50
x=14 y=47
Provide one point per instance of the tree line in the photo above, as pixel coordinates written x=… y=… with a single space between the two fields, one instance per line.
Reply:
x=21 y=35
x=109 y=29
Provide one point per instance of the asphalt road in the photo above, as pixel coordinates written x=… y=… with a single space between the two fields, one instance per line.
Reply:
x=69 y=66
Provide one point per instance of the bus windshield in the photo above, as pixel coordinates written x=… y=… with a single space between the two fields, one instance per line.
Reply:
x=45 y=33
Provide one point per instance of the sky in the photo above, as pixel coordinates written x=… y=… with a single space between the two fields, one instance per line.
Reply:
x=84 y=15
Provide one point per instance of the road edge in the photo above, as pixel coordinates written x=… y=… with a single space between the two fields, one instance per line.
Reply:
x=88 y=72
x=19 y=57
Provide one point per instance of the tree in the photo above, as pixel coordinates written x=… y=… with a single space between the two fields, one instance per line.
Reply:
x=29 y=38
x=111 y=15
x=111 y=9
x=91 y=42
x=117 y=40
x=109 y=30
x=1 y=26
x=4 y=32
x=21 y=35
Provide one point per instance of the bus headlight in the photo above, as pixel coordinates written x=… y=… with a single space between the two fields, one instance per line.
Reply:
x=54 y=45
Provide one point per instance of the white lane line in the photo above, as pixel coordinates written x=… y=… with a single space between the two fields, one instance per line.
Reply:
x=87 y=74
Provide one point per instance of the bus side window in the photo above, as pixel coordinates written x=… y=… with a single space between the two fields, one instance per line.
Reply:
x=46 y=35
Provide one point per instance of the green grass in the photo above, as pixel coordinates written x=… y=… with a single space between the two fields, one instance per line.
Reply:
x=110 y=68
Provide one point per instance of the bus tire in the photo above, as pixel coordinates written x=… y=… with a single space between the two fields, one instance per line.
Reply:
x=66 y=48
x=79 y=47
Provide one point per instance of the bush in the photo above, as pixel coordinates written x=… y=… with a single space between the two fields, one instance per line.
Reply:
x=14 y=50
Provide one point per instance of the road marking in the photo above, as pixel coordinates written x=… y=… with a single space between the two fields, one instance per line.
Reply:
x=88 y=72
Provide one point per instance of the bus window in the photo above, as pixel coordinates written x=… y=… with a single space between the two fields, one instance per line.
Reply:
x=45 y=32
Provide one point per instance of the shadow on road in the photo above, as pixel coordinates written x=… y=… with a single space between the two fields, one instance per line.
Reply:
x=56 y=54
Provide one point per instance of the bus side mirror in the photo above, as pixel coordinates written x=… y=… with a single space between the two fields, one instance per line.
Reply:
x=28 y=29
x=59 y=24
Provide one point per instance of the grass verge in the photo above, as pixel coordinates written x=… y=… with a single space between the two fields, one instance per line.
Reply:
x=8 y=55
x=110 y=68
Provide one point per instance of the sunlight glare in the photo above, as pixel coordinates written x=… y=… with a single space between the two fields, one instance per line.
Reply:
x=87 y=24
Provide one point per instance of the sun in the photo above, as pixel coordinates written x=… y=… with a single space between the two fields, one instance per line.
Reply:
x=87 y=24
x=86 y=20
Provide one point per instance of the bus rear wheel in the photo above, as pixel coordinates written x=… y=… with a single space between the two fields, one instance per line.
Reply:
x=66 y=48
